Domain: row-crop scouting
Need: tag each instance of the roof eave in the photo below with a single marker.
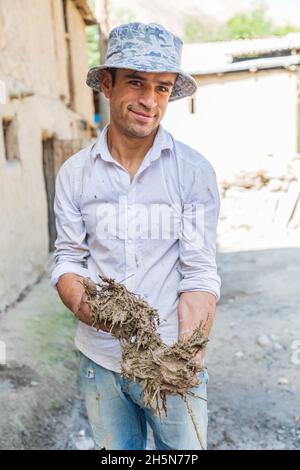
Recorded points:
(85, 11)
(252, 66)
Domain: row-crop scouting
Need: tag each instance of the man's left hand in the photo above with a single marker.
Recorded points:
(194, 308)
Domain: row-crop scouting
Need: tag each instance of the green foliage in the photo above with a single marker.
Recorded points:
(254, 24)
(251, 25)
(282, 30)
(92, 34)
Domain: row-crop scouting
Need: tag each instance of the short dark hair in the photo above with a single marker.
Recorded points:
(113, 72)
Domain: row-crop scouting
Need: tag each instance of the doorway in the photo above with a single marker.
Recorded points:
(49, 178)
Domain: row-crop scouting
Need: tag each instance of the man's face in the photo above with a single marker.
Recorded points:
(138, 100)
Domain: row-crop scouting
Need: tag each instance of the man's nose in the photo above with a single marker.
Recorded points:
(148, 98)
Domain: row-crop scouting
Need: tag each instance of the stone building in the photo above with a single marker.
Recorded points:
(246, 113)
(46, 114)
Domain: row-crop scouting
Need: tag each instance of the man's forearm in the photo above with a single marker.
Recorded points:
(70, 290)
(72, 294)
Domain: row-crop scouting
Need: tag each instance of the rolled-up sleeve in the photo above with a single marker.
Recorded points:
(197, 243)
(71, 249)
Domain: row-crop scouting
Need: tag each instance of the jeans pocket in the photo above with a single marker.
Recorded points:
(86, 368)
(204, 376)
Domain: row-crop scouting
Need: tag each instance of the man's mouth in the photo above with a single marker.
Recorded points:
(142, 116)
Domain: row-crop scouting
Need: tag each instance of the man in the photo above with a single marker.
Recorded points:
(104, 195)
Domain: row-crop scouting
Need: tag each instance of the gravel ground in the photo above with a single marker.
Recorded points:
(253, 391)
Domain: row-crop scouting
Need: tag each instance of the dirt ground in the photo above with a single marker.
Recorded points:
(253, 394)
(254, 386)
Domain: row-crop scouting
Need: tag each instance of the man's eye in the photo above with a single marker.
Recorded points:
(135, 82)
(163, 89)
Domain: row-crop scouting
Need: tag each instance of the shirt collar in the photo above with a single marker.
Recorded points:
(162, 141)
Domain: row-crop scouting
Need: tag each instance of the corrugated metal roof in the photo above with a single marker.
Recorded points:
(218, 56)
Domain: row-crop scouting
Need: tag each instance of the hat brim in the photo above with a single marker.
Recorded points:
(184, 86)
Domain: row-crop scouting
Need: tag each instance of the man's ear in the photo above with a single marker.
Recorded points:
(106, 83)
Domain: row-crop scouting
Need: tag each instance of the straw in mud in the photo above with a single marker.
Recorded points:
(160, 369)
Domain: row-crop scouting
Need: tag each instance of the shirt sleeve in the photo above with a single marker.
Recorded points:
(71, 249)
(197, 242)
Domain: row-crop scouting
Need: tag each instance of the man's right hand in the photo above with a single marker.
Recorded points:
(83, 311)
(72, 294)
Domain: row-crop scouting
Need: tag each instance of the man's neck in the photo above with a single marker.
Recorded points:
(128, 151)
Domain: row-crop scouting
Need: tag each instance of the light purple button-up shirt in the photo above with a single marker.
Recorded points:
(110, 225)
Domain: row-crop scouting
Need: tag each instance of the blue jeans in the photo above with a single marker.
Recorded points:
(119, 417)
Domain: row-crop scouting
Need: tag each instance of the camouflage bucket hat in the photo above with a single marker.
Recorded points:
(146, 48)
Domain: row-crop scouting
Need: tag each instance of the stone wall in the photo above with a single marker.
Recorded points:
(261, 209)
(34, 69)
